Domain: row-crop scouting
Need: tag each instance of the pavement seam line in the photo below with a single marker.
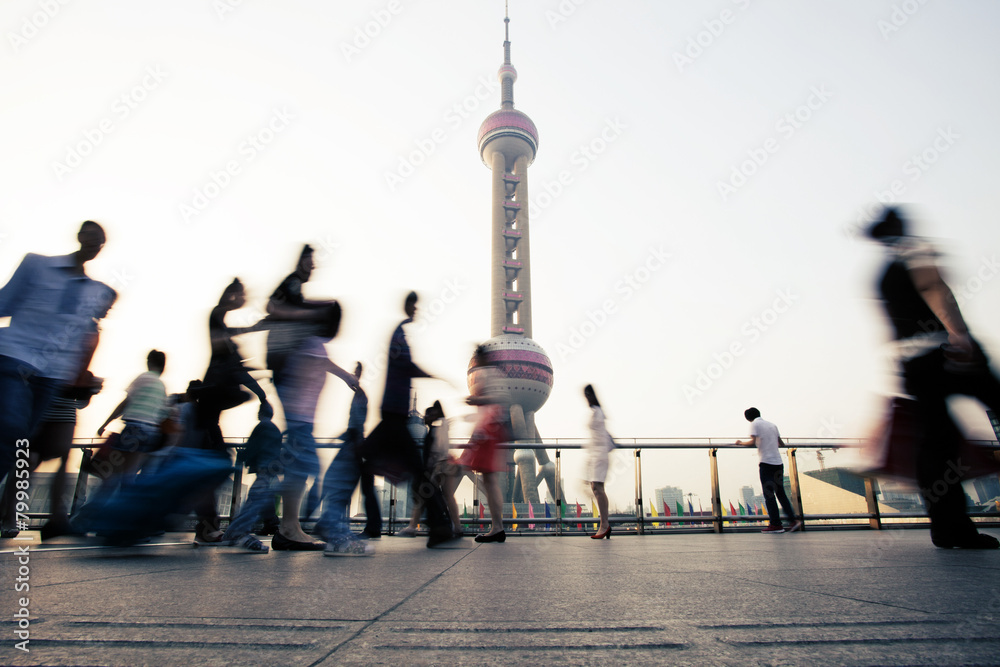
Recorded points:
(373, 621)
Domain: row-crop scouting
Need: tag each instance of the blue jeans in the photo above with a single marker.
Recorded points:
(24, 396)
(260, 496)
(338, 486)
(298, 453)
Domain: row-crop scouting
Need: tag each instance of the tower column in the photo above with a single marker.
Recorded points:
(524, 247)
(498, 278)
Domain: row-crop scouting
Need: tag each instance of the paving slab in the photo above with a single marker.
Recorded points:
(854, 597)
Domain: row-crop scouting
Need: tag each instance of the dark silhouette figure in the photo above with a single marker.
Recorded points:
(938, 358)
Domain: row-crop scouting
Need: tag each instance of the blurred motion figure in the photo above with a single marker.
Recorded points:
(938, 358)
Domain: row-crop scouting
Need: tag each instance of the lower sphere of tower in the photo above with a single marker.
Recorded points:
(524, 364)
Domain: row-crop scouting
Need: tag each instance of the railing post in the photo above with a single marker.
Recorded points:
(234, 505)
(559, 512)
(874, 515)
(392, 507)
(793, 479)
(639, 510)
(80, 491)
(713, 462)
(475, 501)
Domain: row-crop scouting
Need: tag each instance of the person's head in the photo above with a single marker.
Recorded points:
(306, 264)
(91, 238)
(156, 361)
(751, 414)
(591, 396)
(410, 305)
(891, 226)
(331, 321)
(234, 296)
(357, 371)
(434, 413)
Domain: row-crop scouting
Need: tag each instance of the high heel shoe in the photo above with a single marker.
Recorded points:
(602, 535)
(495, 537)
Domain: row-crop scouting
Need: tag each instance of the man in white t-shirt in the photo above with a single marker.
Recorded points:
(765, 437)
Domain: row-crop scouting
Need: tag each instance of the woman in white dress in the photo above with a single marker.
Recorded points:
(597, 449)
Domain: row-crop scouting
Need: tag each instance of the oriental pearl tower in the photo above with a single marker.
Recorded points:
(507, 144)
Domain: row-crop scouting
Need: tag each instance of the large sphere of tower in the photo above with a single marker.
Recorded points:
(524, 364)
(510, 132)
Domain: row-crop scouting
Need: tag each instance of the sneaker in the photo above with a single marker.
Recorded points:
(349, 546)
(773, 530)
(407, 532)
(797, 526)
(250, 543)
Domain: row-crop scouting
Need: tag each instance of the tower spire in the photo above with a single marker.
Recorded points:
(508, 75)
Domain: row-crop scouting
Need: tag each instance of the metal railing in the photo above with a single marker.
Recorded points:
(717, 520)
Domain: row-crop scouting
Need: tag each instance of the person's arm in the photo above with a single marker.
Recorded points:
(266, 411)
(752, 442)
(118, 412)
(939, 297)
(18, 287)
(348, 378)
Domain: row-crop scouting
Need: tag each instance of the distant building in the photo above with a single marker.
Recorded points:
(668, 496)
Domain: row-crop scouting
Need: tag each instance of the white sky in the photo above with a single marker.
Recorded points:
(346, 112)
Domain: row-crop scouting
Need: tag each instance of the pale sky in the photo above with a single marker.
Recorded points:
(702, 170)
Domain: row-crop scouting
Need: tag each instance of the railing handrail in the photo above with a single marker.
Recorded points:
(622, 443)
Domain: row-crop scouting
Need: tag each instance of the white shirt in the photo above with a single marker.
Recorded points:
(767, 441)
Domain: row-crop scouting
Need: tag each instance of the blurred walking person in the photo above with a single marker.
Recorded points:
(305, 376)
(221, 390)
(492, 428)
(53, 306)
(938, 358)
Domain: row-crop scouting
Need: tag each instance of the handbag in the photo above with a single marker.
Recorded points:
(893, 449)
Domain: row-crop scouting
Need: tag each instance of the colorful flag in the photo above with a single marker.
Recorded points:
(742, 511)
(666, 510)
(680, 508)
(652, 510)
(548, 526)
(531, 515)
(691, 507)
(594, 513)
(481, 514)
(514, 507)
(732, 510)
(579, 513)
